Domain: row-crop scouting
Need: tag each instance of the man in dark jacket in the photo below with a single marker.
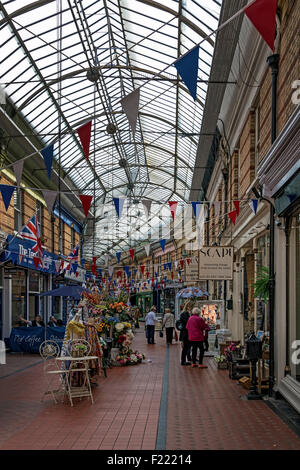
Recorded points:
(184, 338)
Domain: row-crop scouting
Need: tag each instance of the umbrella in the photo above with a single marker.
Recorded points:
(67, 291)
(190, 292)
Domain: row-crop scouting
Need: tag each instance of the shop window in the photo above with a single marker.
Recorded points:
(72, 238)
(17, 210)
(34, 281)
(18, 277)
(296, 336)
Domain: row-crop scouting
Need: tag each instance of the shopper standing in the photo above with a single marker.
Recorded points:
(168, 324)
(183, 336)
(150, 324)
(196, 327)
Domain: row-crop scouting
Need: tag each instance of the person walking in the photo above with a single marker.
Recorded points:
(168, 324)
(196, 327)
(150, 324)
(183, 336)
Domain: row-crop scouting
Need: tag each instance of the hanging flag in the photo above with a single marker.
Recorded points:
(163, 244)
(232, 216)
(74, 268)
(187, 67)
(147, 249)
(131, 253)
(49, 197)
(253, 204)
(94, 260)
(84, 133)
(126, 269)
(110, 271)
(196, 209)
(6, 192)
(135, 271)
(147, 274)
(18, 170)
(31, 232)
(93, 269)
(217, 206)
(47, 153)
(165, 266)
(119, 203)
(173, 207)
(73, 256)
(86, 203)
(36, 261)
(147, 206)
(262, 15)
(176, 264)
(237, 206)
(188, 260)
(170, 265)
(118, 255)
(172, 275)
(130, 105)
(182, 263)
(21, 257)
(142, 269)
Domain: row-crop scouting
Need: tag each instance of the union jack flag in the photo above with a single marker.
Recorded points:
(31, 232)
(73, 256)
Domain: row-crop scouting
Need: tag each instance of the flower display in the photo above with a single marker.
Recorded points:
(119, 327)
(219, 359)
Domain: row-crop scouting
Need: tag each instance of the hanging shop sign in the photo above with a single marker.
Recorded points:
(21, 253)
(192, 271)
(216, 263)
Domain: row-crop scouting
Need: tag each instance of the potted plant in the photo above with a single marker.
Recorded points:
(221, 361)
(261, 286)
(78, 350)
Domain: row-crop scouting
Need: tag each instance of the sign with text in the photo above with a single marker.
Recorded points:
(192, 271)
(216, 263)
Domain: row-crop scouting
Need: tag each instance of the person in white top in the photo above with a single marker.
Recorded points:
(168, 324)
(150, 324)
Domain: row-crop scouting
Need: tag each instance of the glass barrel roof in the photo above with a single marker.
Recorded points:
(47, 49)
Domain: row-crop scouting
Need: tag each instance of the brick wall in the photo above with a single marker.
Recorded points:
(247, 154)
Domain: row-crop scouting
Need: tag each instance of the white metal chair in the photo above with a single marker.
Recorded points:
(49, 351)
(79, 370)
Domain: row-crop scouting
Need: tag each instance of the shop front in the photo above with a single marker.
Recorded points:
(144, 301)
(22, 283)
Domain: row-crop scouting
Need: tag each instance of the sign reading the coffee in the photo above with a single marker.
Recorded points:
(216, 262)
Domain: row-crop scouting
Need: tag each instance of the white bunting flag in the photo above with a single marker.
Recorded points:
(110, 271)
(130, 105)
(147, 206)
(49, 197)
(18, 171)
(147, 249)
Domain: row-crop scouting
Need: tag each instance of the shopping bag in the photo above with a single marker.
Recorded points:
(175, 335)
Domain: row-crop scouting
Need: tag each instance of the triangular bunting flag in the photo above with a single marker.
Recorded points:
(232, 216)
(119, 203)
(57, 265)
(47, 153)
(84, 133)
(49, 197)
(118, 255)
(187, 67)
(262, 15)
(18, 170)
(237, 206)
(170, 265)
(163, 244)
(182, 263)
(21, 257)
(147, 249)
(173, 207)
(6, 192)
(130, 105)
(131, 253)
(196, 209)
(176, 264)
(253, 204)
(142, 269)
(86, 203)
(147, 206)
(110, 271)
(188, 260)
(165, 266)
(36, 261)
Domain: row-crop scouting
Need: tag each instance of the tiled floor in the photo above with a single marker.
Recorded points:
(204, 409)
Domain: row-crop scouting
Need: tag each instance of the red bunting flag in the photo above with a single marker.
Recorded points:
(147, 274)
(182, 263)
(172, 275)
(93, 268)
(36, 261)
(94, 259)
(232, 216)
(86, 203)
(173, 207)
(131, 253)
(262, 15)
(188, 260)
(237, 206)
(142, 269)
(84, 133)
(119, 273)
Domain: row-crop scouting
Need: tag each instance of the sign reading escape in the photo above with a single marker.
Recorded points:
(216, 262)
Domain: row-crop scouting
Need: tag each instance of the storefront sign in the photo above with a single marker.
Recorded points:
(216, 262)
(29, 339)
(20, 252)
(192, 271)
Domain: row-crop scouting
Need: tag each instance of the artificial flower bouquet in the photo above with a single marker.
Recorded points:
(233, 351)
(221, 361)
(128, 357)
